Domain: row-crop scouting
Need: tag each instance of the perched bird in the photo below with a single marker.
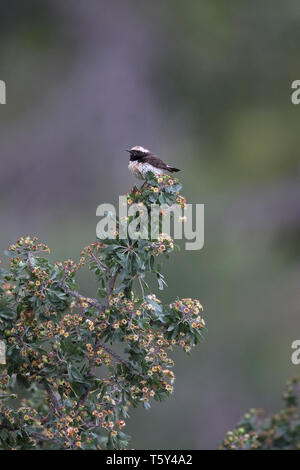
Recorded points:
(142, 160)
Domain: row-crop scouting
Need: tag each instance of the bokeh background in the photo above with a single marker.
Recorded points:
(206, 85)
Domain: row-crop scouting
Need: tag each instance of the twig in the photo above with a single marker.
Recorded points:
(142, 288)
(29, 261)
(55, 405)
(41, 437)
(78, 296)
(100, 263)
(116, 356)
(111, 286)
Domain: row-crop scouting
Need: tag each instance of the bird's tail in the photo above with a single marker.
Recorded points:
(172, 169)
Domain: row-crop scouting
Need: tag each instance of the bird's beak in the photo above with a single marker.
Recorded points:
(127, 150)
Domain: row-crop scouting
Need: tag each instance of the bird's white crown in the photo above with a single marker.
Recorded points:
(138, 148)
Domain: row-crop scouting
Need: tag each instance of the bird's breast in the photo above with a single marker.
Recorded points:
(139, 170)
(135, 168)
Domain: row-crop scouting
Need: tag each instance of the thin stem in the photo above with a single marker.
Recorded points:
(116, 356)
(78, 296)
(142, 288)
(55, 405)
(111, 286)
(99, 262)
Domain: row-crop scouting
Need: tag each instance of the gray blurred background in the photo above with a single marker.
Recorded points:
(206, 85)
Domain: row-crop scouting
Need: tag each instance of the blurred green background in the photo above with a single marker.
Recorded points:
(206, 85)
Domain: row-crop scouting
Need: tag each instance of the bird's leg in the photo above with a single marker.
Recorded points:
(144, 184)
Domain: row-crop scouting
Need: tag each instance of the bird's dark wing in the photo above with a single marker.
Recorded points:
(157, 163)
(154, 161)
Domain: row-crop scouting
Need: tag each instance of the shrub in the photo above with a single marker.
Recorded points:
(278, 431)
(64, 384)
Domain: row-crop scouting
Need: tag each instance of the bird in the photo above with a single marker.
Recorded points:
(143, 160)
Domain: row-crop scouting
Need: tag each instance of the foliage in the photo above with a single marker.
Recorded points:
(278, 431)
(64, 384)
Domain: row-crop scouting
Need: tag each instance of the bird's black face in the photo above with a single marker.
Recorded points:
(137, 154)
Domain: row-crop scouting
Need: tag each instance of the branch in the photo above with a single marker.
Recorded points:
(117, 357)
(55, 405)
(111, 286)
(100, 263)
(78, 296)
(29, 261)
(41, 437)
